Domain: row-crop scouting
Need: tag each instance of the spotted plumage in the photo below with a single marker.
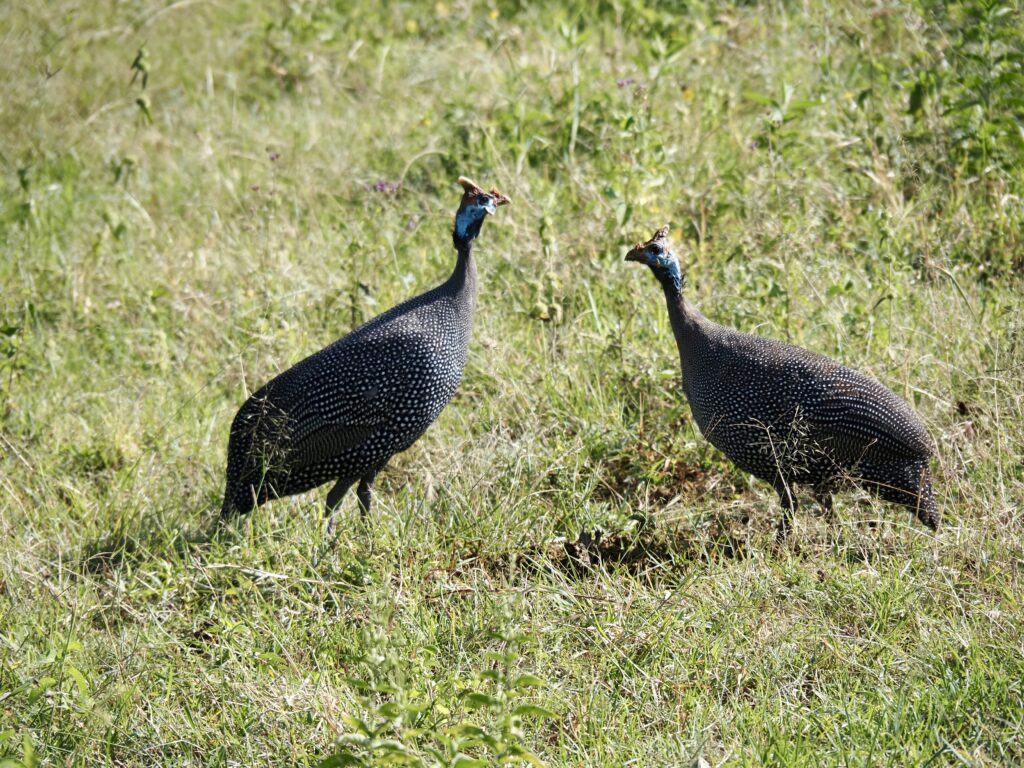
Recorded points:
(790, 416)
(342, 413)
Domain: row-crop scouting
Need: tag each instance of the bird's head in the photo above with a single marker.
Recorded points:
(657, 254)
(473, 209)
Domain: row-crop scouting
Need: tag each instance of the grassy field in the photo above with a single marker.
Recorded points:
(195, 195)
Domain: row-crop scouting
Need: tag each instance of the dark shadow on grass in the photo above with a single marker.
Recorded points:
(637, 552)
(129, 544)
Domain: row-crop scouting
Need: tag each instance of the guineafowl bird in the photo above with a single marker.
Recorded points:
(342, 413)
(790, 416)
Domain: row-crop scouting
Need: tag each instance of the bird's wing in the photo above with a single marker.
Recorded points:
(861, 420)
(339, 396)
(326, 429)
(326, 442)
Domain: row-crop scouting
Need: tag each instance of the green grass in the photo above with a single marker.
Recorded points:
(845, 176)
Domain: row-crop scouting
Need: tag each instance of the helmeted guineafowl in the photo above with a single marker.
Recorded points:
(342, 413)
(790, 416)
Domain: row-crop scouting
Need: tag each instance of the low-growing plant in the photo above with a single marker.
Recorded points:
(399, 723)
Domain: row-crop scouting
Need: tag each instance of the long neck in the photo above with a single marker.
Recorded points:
(688, 325)
(462, 283)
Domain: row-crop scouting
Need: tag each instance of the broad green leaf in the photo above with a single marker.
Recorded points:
(758, 98)
(340, 761)
(477, 700)
(529, 681)
(80, 681)
(354, 722)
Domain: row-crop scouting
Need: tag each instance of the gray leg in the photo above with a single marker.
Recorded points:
(363, 492)
(334, 497)
(788, 501)
(337, 493)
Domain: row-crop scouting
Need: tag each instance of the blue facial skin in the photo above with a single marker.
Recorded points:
(469, 218)
(664, 264)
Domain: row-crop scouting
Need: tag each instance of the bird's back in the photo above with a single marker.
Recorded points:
(425, 335)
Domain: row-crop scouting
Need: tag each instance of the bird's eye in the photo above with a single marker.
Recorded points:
(656, 250)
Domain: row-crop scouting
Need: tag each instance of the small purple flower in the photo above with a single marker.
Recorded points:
(624, 82)
(274, 156)
(387, 187)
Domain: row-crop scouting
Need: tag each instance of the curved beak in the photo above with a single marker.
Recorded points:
(635, 253)
(496, 199)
